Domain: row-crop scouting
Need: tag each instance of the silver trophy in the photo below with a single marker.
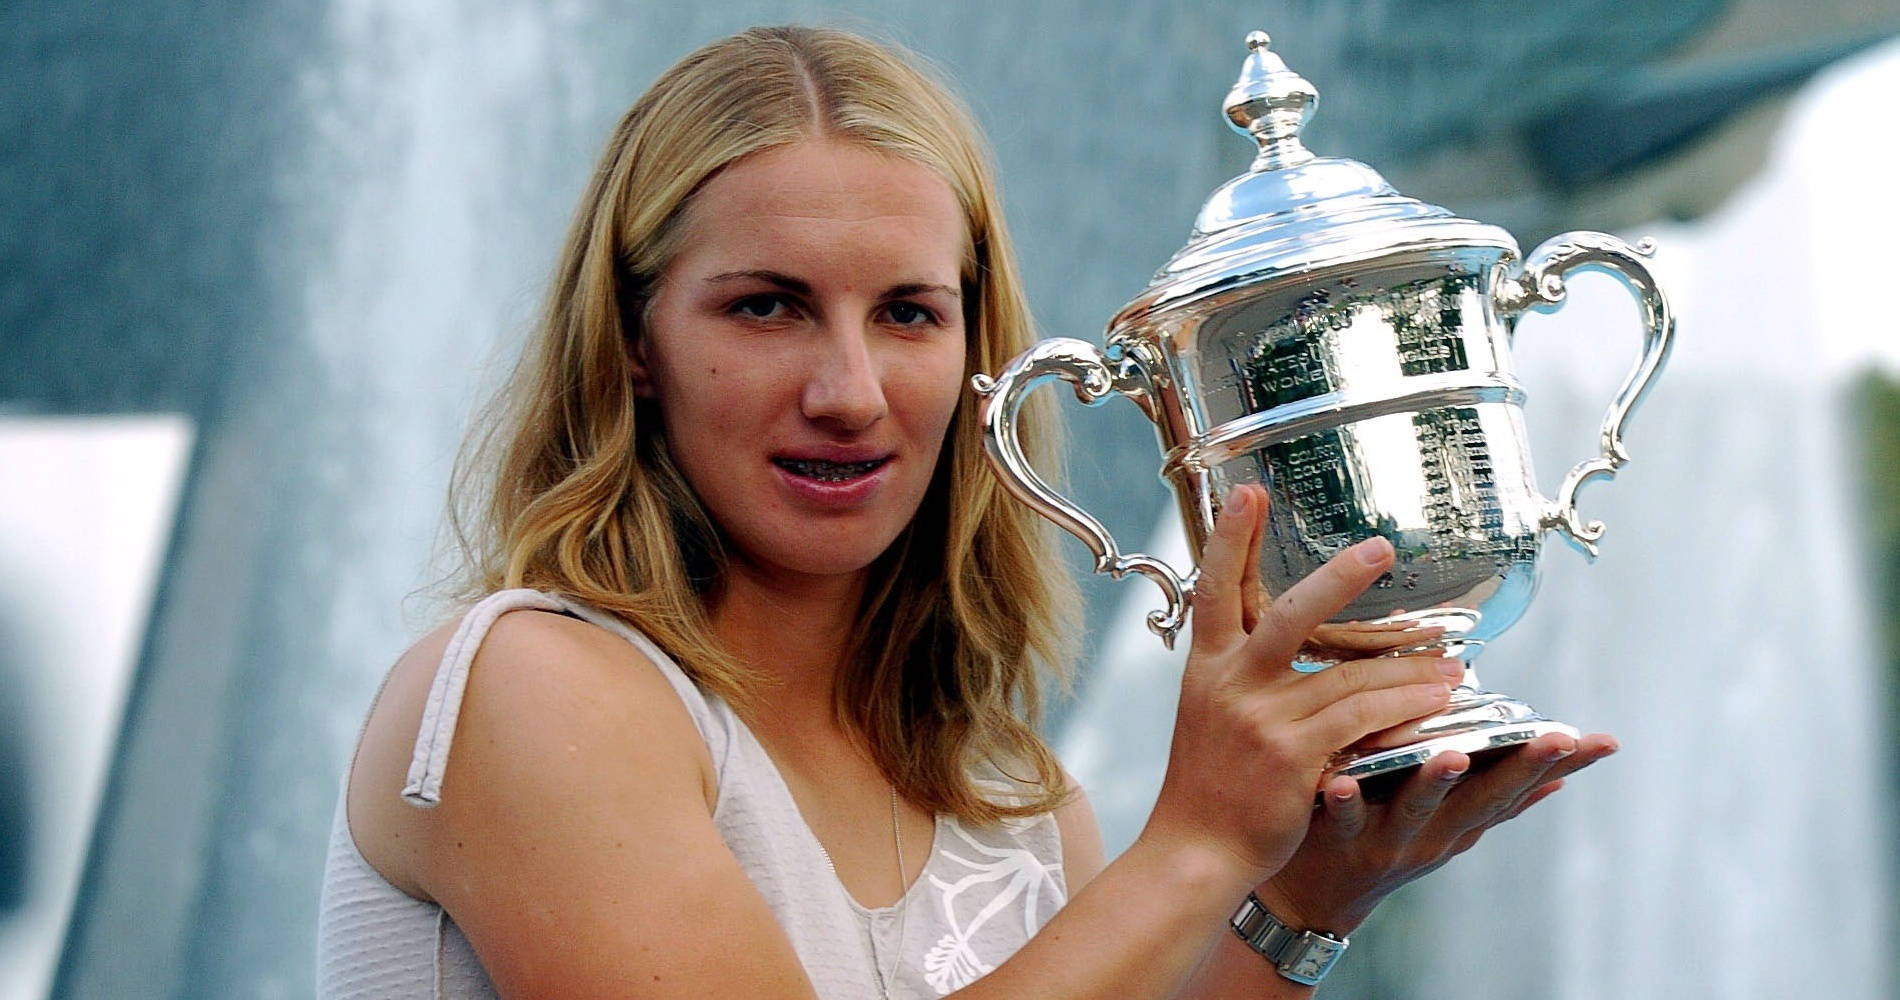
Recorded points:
(1348, 349)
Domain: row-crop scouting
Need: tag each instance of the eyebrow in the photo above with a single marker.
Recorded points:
(778, 278)
(803, 287)
(919, 287)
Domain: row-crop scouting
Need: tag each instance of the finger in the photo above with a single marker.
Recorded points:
(1217, 608)
(1589, 750)
(1286, 623)
(1419, 799)
(1464, 842)
(1250, 590)
(1493, 794)
(1544, 791)
(1308, 694)
(1351, 718)
(1345, 809)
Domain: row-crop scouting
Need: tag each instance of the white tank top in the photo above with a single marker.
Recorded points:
(984, 890)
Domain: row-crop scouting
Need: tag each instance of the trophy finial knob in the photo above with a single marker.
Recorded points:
(1271, 103)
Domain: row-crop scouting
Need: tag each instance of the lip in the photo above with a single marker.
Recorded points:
(843, 494)
(842, 453)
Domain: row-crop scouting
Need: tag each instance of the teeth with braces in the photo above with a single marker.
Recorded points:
(830, 472)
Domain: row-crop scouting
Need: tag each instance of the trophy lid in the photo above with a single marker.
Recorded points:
(1294, 212)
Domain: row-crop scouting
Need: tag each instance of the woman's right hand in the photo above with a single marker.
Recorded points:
(1253, 736)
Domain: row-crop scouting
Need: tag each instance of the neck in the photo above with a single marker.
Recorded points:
(793, 631)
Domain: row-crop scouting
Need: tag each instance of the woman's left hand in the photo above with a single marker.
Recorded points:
(1355, 853)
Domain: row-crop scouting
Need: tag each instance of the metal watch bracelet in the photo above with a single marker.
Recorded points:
(1302, 956)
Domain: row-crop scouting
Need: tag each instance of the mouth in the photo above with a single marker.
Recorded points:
(829, 472)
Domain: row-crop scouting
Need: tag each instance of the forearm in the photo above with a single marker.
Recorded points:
(1137, 930)
(1230, 969)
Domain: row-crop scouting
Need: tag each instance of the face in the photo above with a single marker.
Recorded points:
(805, 348)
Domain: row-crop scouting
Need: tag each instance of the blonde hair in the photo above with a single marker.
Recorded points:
(571, 489)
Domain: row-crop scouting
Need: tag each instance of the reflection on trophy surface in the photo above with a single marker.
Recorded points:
(1347, 349)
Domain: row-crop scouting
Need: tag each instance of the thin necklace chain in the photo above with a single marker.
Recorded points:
(903, 910)
(902, 904)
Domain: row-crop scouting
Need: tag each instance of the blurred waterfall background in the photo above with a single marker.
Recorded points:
(259, 261)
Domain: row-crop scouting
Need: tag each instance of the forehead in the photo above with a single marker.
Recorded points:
(822, 201)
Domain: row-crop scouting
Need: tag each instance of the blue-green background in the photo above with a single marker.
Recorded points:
(316, 230)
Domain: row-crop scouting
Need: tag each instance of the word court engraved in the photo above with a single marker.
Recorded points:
(1296, 356)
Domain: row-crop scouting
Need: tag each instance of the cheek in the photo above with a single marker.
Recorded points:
(937, 407)
(683, 405)
(705, 394)
(692, 393)
(947, 408)
(938, 389)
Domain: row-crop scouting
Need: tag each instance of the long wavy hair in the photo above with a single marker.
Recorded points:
(567, 485)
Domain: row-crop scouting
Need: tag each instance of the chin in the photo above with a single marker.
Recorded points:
(840, 560)
(841, 552)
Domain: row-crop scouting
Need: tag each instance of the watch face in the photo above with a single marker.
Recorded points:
(1313, 961)
(1302, 956)
(1307, 966)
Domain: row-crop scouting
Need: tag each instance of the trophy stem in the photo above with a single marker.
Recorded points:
(1476, 722)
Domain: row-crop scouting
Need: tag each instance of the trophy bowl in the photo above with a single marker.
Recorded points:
(1347, 349)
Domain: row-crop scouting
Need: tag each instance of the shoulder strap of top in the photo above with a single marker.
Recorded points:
(444, 705)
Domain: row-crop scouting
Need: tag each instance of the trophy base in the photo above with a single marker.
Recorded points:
(1476, 723)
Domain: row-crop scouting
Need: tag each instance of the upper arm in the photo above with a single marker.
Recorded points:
(1083, 856)
(574, 845)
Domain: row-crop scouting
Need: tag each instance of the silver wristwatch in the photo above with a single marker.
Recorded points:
(1302, 956)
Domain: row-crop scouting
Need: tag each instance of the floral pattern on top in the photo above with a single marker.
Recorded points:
(1017, 881)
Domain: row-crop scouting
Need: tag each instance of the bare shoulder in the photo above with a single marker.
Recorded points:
(1083, 855)
(550, 700)
(574, 845)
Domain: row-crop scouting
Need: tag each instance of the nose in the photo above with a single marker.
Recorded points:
(845, 387)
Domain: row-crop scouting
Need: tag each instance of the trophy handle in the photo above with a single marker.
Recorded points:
(1540, 286)
(1096, 375)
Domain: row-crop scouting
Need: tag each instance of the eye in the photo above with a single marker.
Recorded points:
(909, 314)
(761, 307)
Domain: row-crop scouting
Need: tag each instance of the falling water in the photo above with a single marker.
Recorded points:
(436, 151)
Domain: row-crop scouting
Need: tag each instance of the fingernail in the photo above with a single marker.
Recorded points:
(1373, 551)
(1342, 796)
(1559, 754)
(1452, 667)
(1238, 499)
(1450, 776)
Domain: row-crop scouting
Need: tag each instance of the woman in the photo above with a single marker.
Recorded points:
(745, 713)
